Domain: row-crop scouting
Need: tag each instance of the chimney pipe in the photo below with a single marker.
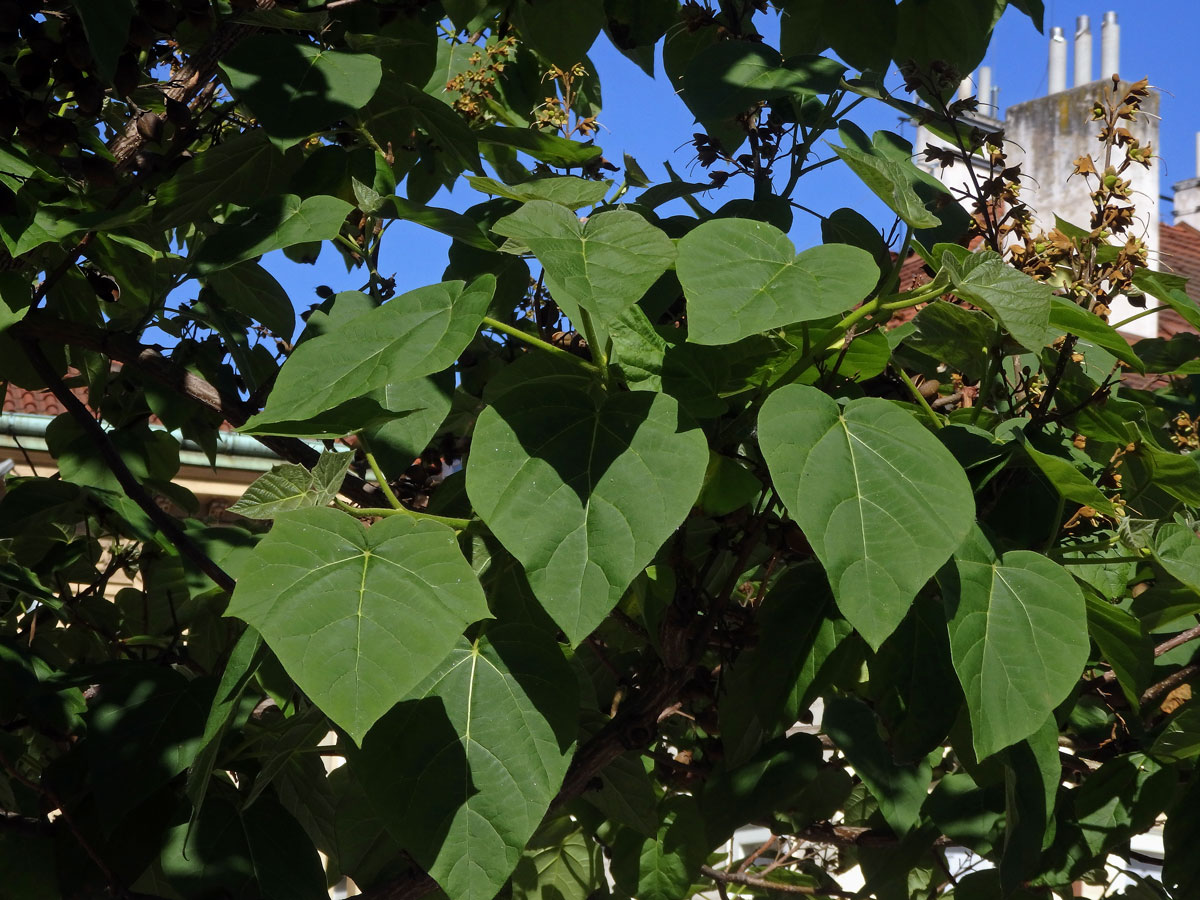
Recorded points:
(995, 101)
(1110, 46)
(966, 88)
(983, 85)
(1083, 51)
(1198, 154)
(1058, 60)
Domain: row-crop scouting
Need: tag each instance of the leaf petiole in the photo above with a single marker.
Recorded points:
(384, 512)
(526, 338)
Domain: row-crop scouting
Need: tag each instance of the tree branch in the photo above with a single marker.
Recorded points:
(187, 83)
(165, 522)
(741, 878)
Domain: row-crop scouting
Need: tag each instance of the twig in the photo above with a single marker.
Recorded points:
(1169, 683)
(721, 877)
(166, 523)
(45, 790)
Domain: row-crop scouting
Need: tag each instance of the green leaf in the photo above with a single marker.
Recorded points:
(946, 30)
(1070, 318)
(1177, 550)
(1170, 289)
(561, 863)
(771, 684)
(727, 486)
(742, 277)
(900, 790)
(1018, 637)
(958, 336)
(1124, 644)
(295, 87)
(894, 182)
(662, 867)
(561, 31)
(731, 76)
(243, 662)
(252, 290)
(412, 335)
(463, 777)
(774, 779)
(106, 25)
(861, 32)
(398, 108)
(357, 616)
(548, 148)
(277, 222)
(1068, 481)
(290, 486)
(1032, 774)
(144, 728)
(602, 266)
(881, 501)
(1021, 304)
(444, 221)
(1181, 738)
(581, 486)
(398, 440)
(1181, 864)
(28, 859)
(565, 190)
(258, 852)
(243, 169)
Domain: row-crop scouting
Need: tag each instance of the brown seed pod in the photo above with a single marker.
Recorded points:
(96, 171)
(89, 97)
(141, 33)
(178, 113)
(33, 71)
(77, 52)
(127, 76)
(150, 126)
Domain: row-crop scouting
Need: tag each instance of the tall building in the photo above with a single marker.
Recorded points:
(1045, 136)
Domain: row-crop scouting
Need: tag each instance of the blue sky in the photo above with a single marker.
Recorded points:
(643, 118)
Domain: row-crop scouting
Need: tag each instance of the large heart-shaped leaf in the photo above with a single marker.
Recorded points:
(1018, 638)
(243, 169)
(881, 501)
(580, 485)
(602, 265)
(463, 777)
(742, 277)
(277, 222)
(412, 335)
(731, 76)
(296, 87)
(565, 190)
(1021, 304)
(358, 616)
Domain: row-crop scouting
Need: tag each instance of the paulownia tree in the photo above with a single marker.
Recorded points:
(701, 487)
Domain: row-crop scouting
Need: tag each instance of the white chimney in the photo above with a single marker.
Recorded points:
(966, 88)
(1187, 196)
(1083, 51)
(1058, 60)
(995, 101)
(1110, 46)
(984, 88)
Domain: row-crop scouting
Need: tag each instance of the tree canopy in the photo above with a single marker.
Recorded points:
(641, 527)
